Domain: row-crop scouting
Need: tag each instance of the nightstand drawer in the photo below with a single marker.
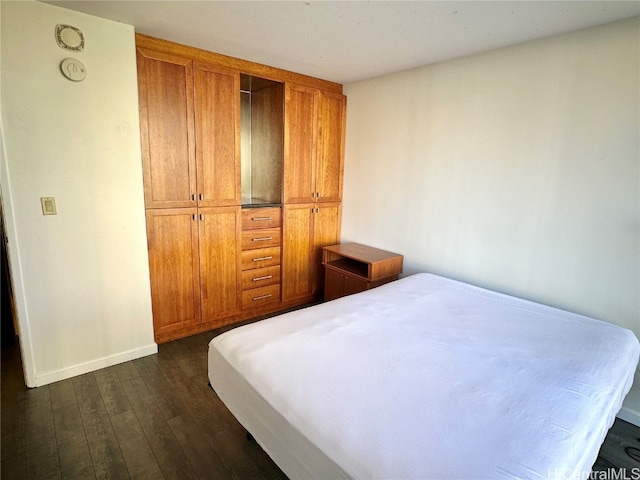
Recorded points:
(268, 217)
(260, 296)
(263, 257)
(260, 277)
(268, 237)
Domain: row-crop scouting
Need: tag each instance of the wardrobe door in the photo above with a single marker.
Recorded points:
(165, 89)
(172, 236)
(330, 156)
(326, 231)
(217, 114)
(300, 143)
(220, 261)
(297, 251)
(306, 229)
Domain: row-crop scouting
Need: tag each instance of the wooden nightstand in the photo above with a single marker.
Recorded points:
(352, 268)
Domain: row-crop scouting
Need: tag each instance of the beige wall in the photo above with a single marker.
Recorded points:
(81, 277)
(517, 170)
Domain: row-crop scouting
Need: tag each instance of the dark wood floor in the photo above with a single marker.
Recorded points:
(150, 418)
(153, 418)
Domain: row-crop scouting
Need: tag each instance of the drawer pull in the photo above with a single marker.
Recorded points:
(261, 239)
(259, 259)
(257, 279)
(258, 219)
(262, 297)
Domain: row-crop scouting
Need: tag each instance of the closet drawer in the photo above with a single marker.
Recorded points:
(268, 237)
(263, 257)
(260, 277)
(254, 218)
(260, 296)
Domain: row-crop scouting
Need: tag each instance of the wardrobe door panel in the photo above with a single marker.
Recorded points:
(220, 261)
(217, 113)
(166, 128)
(330, 158)
(326, 231)
(300, 142)
(297, 251)
(173, 264)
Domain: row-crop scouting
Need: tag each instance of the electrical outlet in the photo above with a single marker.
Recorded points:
(48, 205)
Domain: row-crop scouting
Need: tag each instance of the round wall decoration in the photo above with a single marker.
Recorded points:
(70, 38)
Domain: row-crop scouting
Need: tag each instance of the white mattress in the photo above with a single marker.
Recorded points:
(424, 378)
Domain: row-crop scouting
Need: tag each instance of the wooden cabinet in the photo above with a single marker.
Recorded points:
(313, 171)
(190, 124)
(314, 145)
(306, 229)
(194, 259)
(352, 268)
(211, 261)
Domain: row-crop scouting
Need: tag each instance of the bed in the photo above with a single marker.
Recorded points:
(426, 377)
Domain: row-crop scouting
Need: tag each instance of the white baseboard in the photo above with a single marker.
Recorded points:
(629, 415)
(63, 374)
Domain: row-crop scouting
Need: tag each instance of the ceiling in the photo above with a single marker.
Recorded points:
(347, 41)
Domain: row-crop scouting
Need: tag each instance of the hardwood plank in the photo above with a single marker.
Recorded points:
(183, 357)
(62, 394)
(106, 456)
(108, 461)
(163, 393)
(40, 437)
(68, 422)
(113, 395)
(138, 456)
(126, 371)
(166, 448)
(75, 458)
(204, 460)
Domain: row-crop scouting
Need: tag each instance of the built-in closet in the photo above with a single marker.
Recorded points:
(242, 169)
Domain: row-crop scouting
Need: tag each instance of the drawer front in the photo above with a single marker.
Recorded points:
(254, 218)
(268, 237)
(257, 297)
(260, 277)
(263, 257)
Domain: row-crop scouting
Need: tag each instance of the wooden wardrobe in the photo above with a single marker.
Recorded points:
(214, 260)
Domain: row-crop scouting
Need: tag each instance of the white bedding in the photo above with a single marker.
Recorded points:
(423, 378)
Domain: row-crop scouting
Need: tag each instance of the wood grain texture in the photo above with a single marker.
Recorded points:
(268, 237)
(330, 156)
(306, 229)
(165, 89)
(220, 261)
(297, 248)
(300, 143)
(260, 277)
(172, 236)
(217, 126)
(258, 218)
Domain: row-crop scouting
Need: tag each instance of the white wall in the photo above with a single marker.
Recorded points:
(82, 276)
(517, 170)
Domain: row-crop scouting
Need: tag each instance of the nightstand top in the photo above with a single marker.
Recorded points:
(363, 253)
